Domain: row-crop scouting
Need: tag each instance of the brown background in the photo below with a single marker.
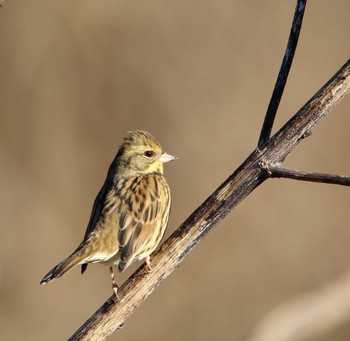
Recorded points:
(75, 76)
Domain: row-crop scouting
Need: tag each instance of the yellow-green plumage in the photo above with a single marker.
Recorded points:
(131, 211)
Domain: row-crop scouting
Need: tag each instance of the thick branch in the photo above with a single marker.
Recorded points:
(283, 74)
(279, 172)
(242, 182)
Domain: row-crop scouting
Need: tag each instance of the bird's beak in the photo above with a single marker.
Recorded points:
(167, 158)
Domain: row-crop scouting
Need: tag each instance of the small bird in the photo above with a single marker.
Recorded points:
(130, 213)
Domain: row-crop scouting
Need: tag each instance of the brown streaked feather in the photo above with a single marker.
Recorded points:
(131, 211)
(147, 221)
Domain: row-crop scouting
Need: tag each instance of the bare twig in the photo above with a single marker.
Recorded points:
(283, 74)
(230, 193)
(279, 172)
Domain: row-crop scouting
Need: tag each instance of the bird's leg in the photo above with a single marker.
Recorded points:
(148, 262)
(114, 284)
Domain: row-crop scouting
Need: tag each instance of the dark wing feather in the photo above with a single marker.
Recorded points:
(100, 202)
(95, 215)
(96, 210)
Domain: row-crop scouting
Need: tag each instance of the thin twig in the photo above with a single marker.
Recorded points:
(279, 172)
(283, 74)
(241, 183)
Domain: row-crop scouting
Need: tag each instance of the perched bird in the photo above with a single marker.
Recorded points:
(130, 213)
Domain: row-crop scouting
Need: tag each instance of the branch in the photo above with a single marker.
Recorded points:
(279, 172)
(230, 193)
(283, 74)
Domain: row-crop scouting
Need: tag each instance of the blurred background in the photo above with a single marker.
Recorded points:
(77, 75)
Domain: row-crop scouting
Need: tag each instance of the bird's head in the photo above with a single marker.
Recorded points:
(140, 153)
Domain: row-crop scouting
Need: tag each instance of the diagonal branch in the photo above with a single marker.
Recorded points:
(113, 313)
(283, 74)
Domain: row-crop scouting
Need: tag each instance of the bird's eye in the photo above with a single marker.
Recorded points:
(148, 153)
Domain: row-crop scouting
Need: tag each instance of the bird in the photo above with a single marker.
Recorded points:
(130, 213)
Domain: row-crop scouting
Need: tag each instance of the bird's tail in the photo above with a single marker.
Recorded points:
(61, 268)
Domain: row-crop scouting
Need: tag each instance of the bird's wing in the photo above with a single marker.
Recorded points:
(97, 209)
(96, 213)
(143, 219)
(102, 196)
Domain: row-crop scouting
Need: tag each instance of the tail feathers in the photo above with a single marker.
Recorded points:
(61, 268)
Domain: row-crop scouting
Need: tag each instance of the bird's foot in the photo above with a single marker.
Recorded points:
(114, 284)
